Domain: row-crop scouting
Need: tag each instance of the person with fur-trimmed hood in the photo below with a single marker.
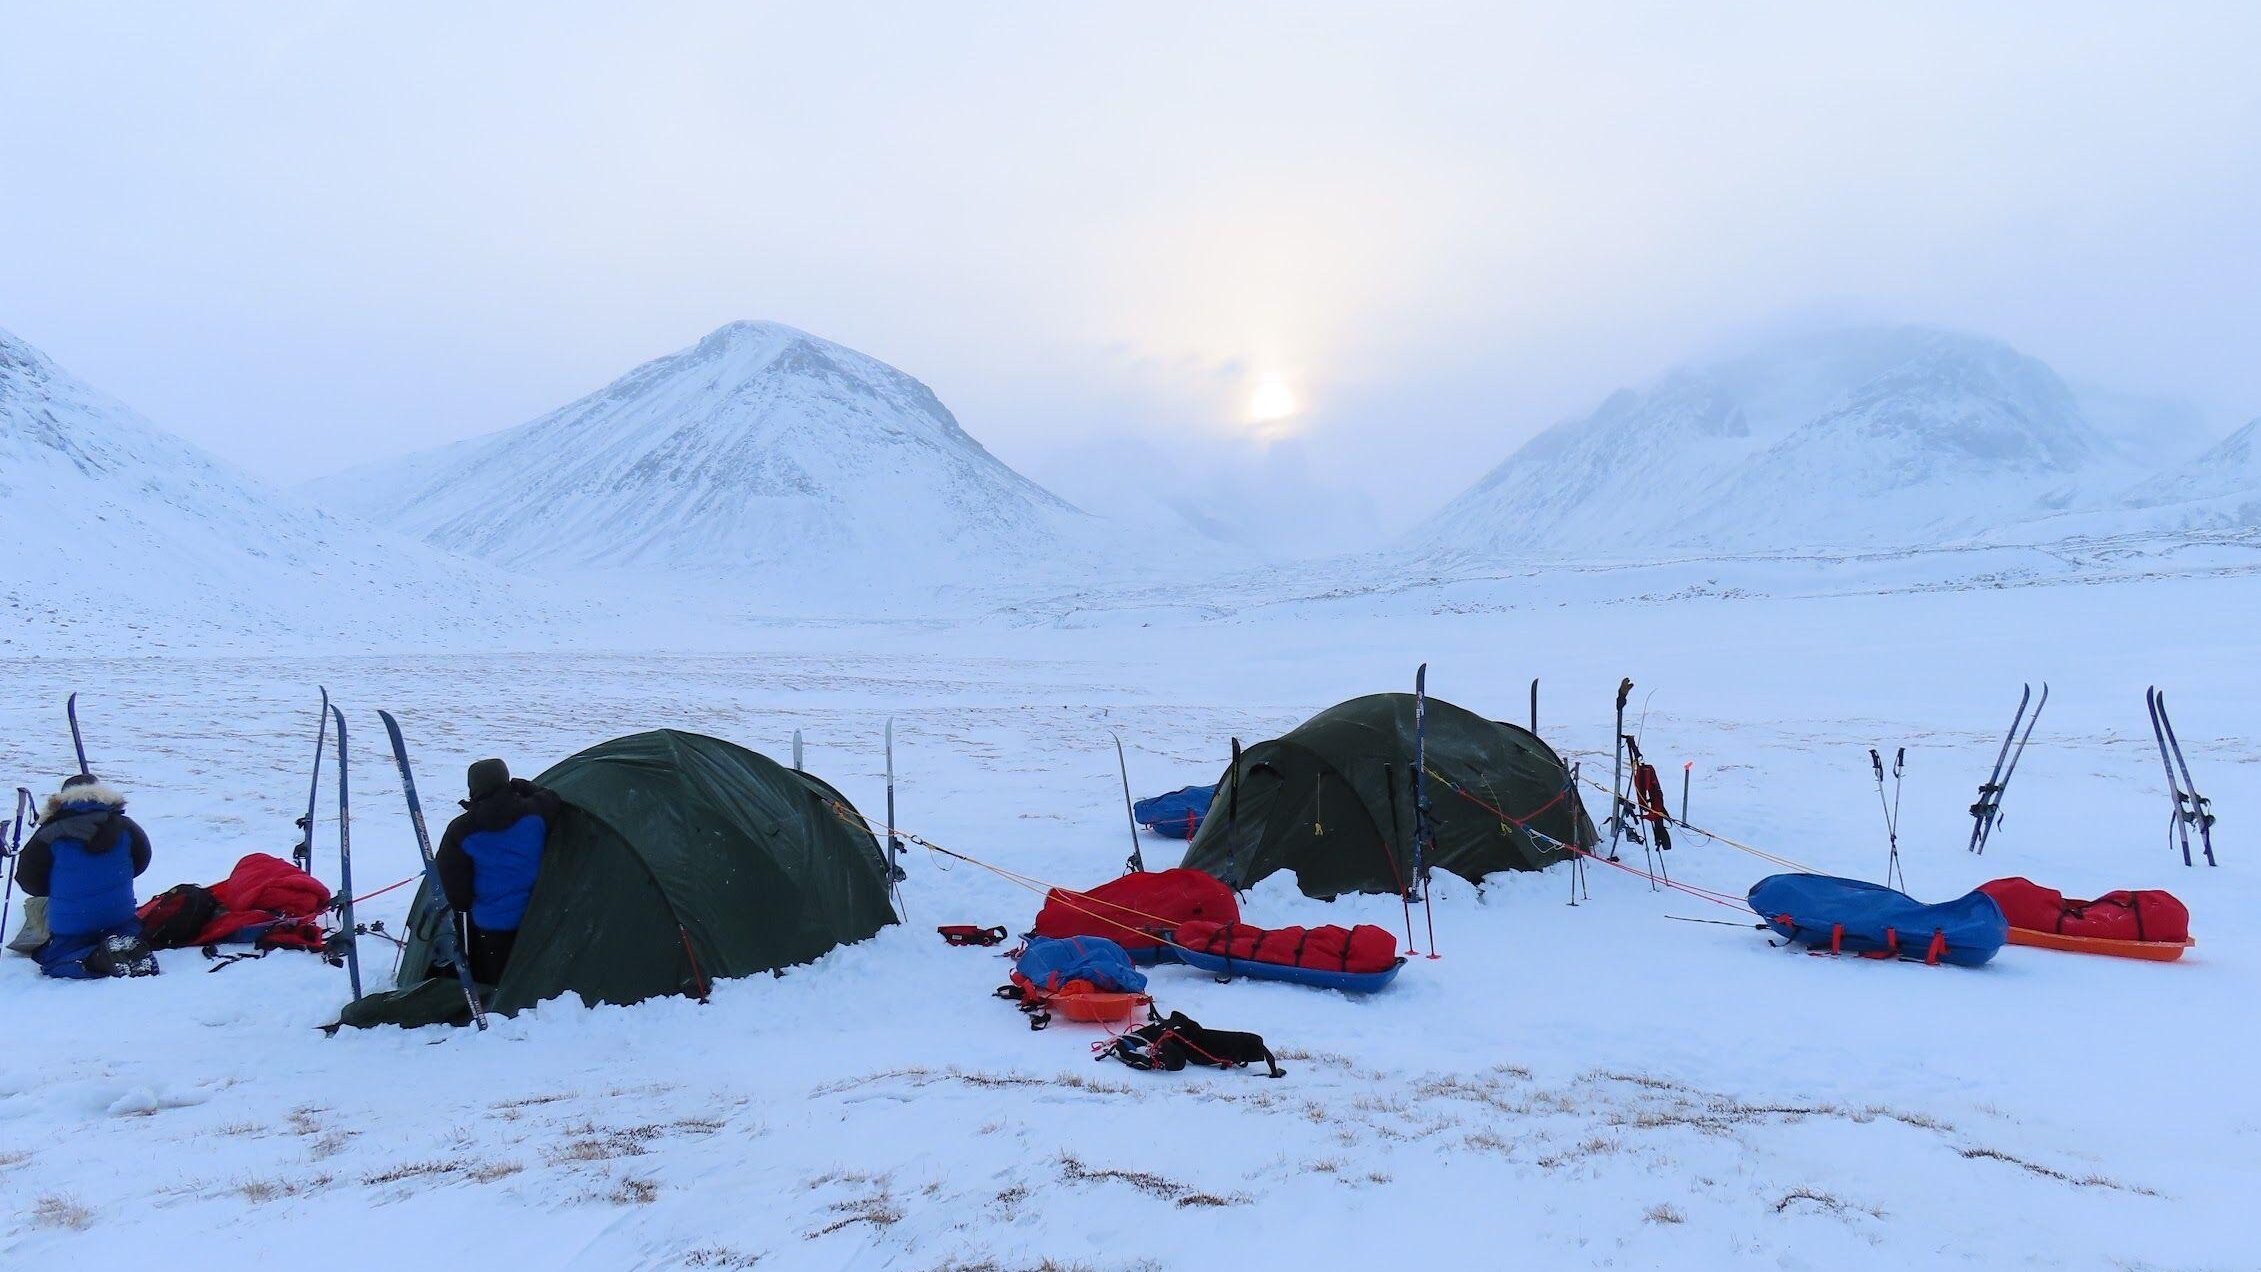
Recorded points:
(490, 857)
(84, 858)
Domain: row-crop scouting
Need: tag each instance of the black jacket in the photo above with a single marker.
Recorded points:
(493, 814)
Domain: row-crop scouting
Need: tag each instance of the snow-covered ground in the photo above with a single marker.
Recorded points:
(1598, 1085)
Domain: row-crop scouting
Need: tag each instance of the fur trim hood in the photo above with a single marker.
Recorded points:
(101, 793)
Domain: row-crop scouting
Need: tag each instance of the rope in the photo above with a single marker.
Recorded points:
(1031, 882)
(338, 905)
(1703, 894)
(1715, 837)
(367, 896)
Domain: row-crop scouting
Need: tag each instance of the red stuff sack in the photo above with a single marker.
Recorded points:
(2026, 904)
(1281, 945)
(1372, 949)
(2149, 915)
(1365, 948)
(1127, 910)
(2128, 916)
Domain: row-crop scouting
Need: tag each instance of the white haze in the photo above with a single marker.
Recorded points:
(312, 235)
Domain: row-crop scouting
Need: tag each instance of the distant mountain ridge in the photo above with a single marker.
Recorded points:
(125, 537)
(2219, 489)
(1903, 436)
(761, 448)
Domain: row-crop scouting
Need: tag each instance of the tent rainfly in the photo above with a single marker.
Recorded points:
(1332, 800)
(679, 860)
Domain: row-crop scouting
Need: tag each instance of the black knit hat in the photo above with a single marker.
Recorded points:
(487, 777)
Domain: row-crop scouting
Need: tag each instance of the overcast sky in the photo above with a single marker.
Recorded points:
(1119, 240)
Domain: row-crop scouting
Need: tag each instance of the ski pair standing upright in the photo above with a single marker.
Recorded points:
(1424, 831)
(1636, 794)
(1987, 812)
(2190, 807)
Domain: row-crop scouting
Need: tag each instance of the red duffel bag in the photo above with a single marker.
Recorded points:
(1126, 910)
(1361, 949)
(2148, 915)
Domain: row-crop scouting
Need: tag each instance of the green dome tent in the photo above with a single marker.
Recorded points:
(1332, 800)
(679, 860)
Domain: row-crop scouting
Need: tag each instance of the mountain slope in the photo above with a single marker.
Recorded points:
(2220, 489)
(1865, 438)
(1940, 445)
(123, 536)
(760, 449)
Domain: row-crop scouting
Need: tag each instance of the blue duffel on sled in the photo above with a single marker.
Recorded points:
(1851, 916)
(1175, 815)
(1047, 965)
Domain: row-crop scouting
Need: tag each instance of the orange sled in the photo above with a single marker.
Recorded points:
(2151, 951)
(1097, 1009)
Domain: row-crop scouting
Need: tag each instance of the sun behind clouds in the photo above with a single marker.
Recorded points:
(1271, 405)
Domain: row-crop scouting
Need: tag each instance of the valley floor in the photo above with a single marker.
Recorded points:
(1599, 1085)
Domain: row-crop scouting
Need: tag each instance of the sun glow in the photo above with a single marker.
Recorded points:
(1272, 401)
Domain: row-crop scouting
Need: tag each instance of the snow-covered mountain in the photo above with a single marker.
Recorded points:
(122, 536)
(1866, 438)
(2220, 489)
(760, 449)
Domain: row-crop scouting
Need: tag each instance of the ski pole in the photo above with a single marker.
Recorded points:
(1876, 766)
(15, 846)
(894, 842)
(1570, 791)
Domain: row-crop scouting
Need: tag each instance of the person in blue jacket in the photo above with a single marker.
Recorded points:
(84, 859)
(491, 856)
